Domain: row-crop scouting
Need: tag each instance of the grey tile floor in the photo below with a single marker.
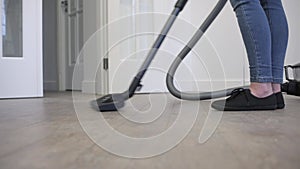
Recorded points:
(45, 133)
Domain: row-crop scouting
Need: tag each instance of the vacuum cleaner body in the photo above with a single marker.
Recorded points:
(292, 87)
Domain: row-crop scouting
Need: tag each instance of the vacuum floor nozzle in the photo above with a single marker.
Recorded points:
(111, 102)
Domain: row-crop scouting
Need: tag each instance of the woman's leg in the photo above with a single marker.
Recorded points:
(279, 39)
(255, 29)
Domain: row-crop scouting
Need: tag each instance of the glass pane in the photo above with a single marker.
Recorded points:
(73, 40)
(12, 33)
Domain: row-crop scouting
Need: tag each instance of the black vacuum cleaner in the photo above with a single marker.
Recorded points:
(113, 102)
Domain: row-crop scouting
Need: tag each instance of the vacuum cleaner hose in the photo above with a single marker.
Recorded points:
(186, 50)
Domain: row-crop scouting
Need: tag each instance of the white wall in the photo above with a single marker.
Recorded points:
(225, 57)
(293, 13)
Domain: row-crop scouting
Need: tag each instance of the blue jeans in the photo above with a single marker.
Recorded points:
(264, 28)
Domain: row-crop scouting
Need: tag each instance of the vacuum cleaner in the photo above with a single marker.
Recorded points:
(113, 102)
(292, 87)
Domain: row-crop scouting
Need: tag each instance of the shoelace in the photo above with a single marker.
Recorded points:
(236, 92)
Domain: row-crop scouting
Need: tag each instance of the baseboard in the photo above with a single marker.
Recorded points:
(197, 86)
(210, 85)
(89, 86)
(50, 85)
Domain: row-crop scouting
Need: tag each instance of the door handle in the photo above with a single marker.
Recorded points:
(64, 5)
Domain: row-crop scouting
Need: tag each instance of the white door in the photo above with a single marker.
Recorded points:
(21, 49)
(124, 62)
(74, 43)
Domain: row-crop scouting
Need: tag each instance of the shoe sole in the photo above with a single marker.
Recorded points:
(280, 106)
(258, 108)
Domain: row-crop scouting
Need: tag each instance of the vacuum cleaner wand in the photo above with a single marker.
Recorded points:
(113, 102)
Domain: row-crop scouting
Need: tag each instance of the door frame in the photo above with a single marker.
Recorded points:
(102, 78)
(101, 82)
(61, 46)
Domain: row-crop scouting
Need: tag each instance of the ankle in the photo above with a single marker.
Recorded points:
(261, 90)
(276, 88)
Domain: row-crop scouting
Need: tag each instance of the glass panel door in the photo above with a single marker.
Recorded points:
(21, 49)
(12, 29)
(74, 42)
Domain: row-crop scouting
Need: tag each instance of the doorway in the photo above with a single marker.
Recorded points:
(70, 43)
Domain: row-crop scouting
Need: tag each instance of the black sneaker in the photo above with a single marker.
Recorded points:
(280, 100)
(242, 100)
